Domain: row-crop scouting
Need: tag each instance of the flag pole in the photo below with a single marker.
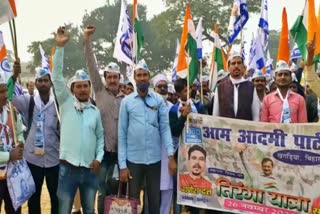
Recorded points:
(188, 91)
(201, 87)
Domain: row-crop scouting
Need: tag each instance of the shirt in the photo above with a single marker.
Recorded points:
(107, 103)
(312, 79)
(82, 137)
(272, 108)
(185, 180)
(50, 131)
(142, 129)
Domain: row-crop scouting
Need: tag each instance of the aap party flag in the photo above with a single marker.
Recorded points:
(258, 61)
(238, 19)
(44, 59)
(199, 39)
(264, 24)
(124, 41)
(5, 68)
(295, 53)
(175, 63)
(7, 10)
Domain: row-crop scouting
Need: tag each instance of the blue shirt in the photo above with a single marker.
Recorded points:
(142, 129)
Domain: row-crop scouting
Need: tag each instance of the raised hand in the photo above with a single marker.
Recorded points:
(61, 37)
(88, 31)
(310, 49)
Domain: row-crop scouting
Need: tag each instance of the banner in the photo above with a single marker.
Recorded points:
(249, 167)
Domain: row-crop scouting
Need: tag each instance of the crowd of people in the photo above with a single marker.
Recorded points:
(79, 143)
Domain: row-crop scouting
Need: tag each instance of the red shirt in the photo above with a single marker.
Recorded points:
(272, 108)
(185, 180)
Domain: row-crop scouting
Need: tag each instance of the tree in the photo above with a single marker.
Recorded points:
(73, 53)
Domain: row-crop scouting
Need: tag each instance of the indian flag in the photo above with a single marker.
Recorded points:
(304, 29)
(218, 61)
(137, 34)
(188, 63)
(7, 10)
(5, 68)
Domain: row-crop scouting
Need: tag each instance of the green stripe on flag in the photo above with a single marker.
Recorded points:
(299, 34)
(191, 48)
(140, 37)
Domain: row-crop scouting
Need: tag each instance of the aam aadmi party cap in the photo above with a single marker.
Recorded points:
(158, 78)
(258, 73)
(113, 67)
(233, 55)
(79, 76)
(142, 65)
(282, 66)
(41, 72)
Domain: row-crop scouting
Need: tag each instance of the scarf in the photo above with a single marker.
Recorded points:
(285, 114)
(79, 106)
(236, 83)
(5, 145)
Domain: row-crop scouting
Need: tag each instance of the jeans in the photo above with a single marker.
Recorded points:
(151, 173)
(51, 174)
(70, 179)
(4, 196)
(107, 186)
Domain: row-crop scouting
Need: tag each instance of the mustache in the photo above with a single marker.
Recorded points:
(196, 166)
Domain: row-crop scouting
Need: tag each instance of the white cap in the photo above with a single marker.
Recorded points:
(258, 73)
(282, 66)
(221, 75)
(79, 76)
(205, 78)
(113, 67)
(121, 79)
(41, 72)
(293, 66)
(171, 89)
(233, 55)
(142, 65)
(158, 78)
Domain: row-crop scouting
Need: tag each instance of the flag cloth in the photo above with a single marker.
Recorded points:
(218, 63)
(252, 49)
(137, 33)
(53, 49)
(258, 61)
(123, 44)
(295, 52)
(5, 68)
(199, 38)
(188, 67)
(264, 24)
(283, 49)
(44, 59)
(238, 19)
(175, 62)
(269, 66)
(313, 29)
(7, 10)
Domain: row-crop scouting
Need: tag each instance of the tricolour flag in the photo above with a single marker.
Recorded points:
(175, 63)
(7, 10)
(264, 24)
(5, 68)
(238, 19)
(123, 44)
(199, 38)
(283, 49)
(188, 63)
(218, 62)
(44, 59)
(304, 28)
(137, 33)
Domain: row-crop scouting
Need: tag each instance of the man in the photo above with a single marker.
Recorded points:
(30, 87)
(283, 105)
(129, 88)
(172, 96)
(196, 169)
(108, 101)
(259, 81)
(143, 127)
(42, 141)
(235, 97)
(9, 150)
(160, 84)
(81, 145)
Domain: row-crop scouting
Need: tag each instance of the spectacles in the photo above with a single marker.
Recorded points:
(162, 86)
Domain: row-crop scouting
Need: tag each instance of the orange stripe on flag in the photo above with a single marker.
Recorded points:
(134, 9)
(182, 62)
(13, 7)
(312, 20)
(3, 53)
(53, 49)
(317, 42)
(284, 50)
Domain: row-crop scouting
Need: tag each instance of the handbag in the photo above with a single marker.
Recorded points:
(20, 182)
(117, 204)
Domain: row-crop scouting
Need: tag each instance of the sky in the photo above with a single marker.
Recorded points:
(37, 19)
